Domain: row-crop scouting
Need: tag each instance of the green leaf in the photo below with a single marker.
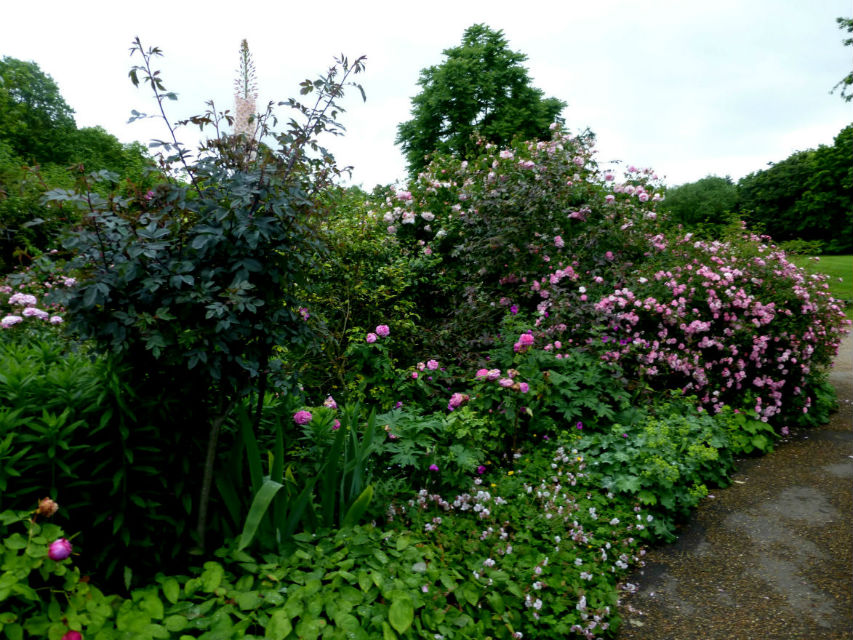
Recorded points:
(175, 623)
(388, 632)
(14, 631)
(212, 576)
(172, 590)
(401, 613)
(279, 626)
(357, 509)
(257, 511)
(470, 592)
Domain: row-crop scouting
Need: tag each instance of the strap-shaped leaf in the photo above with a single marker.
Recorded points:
(257, 511)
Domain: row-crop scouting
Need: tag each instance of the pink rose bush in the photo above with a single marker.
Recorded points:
(539, 228)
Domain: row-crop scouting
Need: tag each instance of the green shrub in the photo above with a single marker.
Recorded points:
(665, 461)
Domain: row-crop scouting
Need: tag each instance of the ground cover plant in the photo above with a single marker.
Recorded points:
(454, 409)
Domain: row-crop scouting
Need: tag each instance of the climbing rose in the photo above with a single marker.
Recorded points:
(302, 417)
(59, 549)
(8, 321)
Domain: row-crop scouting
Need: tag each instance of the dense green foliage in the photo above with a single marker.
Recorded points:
(517, 370)
(35, 121)
(805, 198)
(709, 203)
(41, 149)
(809, 195)
(480, 92)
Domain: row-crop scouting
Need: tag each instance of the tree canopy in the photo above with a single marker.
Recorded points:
(706, 201)
(806, 196)
(481, 88)
(34, 117)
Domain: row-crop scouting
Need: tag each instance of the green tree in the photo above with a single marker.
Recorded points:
(846, 83)
(34, 118)
(806, 196)
(708, 201)
(480, 89)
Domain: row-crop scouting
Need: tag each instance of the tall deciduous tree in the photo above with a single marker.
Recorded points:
(481, 88)
(34, 118)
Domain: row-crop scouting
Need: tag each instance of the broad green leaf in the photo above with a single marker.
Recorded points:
(279, 626)
(401, 613)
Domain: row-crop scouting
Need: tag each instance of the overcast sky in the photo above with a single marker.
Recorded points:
(689, 88)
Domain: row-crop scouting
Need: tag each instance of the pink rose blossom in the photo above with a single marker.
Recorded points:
(382, 330)
(302, 417)
(432, 365)
(8, 321)
(371, 338)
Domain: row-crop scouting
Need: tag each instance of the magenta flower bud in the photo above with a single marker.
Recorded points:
(433, 467)
(72, 635)
(481, 470)
(59, 549)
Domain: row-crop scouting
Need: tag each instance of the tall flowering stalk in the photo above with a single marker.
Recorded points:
(245, 94)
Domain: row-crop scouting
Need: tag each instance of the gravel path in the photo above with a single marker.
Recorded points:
(769, 558)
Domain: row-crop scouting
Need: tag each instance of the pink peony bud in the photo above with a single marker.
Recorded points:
(59, 549)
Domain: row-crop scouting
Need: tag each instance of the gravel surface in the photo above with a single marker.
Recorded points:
(769, 558)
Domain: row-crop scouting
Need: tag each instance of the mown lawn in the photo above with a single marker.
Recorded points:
(840, 272)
